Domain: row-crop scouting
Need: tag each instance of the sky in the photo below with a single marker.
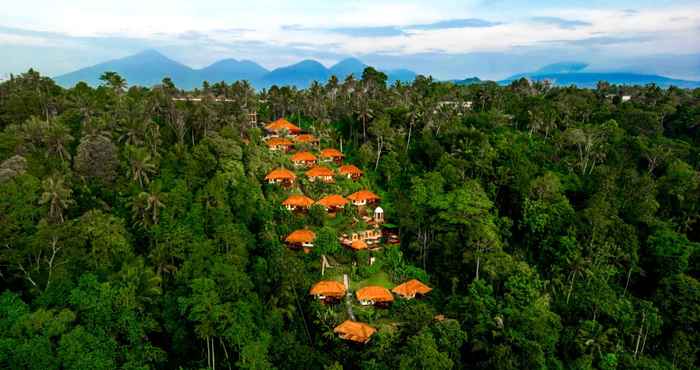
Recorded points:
(443, 38)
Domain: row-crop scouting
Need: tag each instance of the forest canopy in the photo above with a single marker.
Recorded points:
(546, 227)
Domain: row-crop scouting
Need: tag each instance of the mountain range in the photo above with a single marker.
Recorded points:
(149, 67)
(576, 73)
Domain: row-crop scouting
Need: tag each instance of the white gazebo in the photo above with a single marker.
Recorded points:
(378, 215)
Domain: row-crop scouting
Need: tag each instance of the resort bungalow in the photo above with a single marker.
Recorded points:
(332, 203)
(328, 291)
(363, 197)
(350, 171)
(358, 245)
(301, 239)
(355, 331)
(281, 176)
(321, 173)
(412, 289)
(297, 202)
(332, 155)
(374, 295)
(281, 127)
(279, 144)
(369, 236)
(303, 159)
(306, 139)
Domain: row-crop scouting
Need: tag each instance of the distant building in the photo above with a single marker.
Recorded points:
(320, 173)
(332, 155)
(301, 239)
(303, 159)
(332, 203)
(363, 198)
(279, 144)
(281, 176)
(328, 291)
(374, 295)
(411, 289)
(355, 331)
(297, 202)
(282, 126)
(306, 139)
(351, 171)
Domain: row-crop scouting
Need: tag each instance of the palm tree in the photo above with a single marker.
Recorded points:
(113, 80)
(146, 207)
(57, 137)
(57, 195)
(364, 112)
(141, 165)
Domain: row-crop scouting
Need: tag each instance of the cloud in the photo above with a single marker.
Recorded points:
(567, 24)
(381, 31)
(603, 40)
(396, 30)
(454, 23)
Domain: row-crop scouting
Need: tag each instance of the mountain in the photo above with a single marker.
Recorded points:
(231, 70)
(300, 75)
(590, 80)
(149, 67)
(346, 67)
(403, 75)
(563, 67)
(574, 73)
(468, 81)
(146, 68)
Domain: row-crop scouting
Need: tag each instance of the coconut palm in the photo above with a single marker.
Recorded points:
(58, 197)
(114, 81)
(141, 165)
(146, 207)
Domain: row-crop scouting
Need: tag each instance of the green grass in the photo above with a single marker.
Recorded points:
(381, 278)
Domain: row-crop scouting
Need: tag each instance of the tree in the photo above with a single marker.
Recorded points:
(97, 158)
(114, 81)
(469, 210)
(141, 165)
(57, 195)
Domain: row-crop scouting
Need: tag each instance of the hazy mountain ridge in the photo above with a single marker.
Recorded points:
(575, 73)
(149, 67)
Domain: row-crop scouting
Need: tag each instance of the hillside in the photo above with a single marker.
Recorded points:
(590, 80)
(150, 67)
(146, 68)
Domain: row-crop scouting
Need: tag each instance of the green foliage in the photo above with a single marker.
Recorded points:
(557, 228)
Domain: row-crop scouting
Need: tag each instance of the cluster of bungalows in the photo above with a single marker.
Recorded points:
(283, 136)
(331, 292)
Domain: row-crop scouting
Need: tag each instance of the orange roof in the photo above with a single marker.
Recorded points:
(283, 124)
(349, 170)
(301, 236)
(276, 141)
(319, 171)
(358, 245)
(328, 288)
(303, 157)
(355, 331)
(298, 201)
(333, 200)
(281, 173)
(331, 153)
(363, 195)
(374, 293)
(306, 138)
(411, 287)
